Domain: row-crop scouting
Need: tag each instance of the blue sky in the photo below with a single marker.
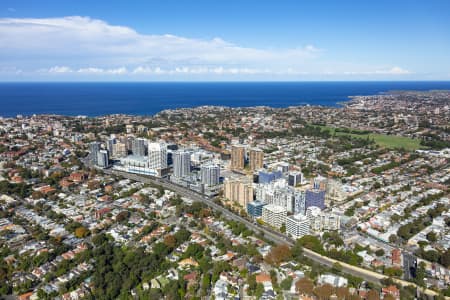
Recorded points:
(224, 40)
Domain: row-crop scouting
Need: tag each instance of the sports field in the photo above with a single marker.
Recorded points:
(383, 140)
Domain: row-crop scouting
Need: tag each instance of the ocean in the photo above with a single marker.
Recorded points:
(95, 99)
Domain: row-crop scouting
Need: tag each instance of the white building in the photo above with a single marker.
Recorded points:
(157, 156)
(120, 150)
(94, 148)
(210, 174)
(220, 290)
(181, 163)
(154, 164)
(274, 215)
(295, 178)
(335, 192)
(103, 158)
(110, 145)
(322, 221)
(138, 146)
(334, 280)
(279, 193)
(200, 156)
(313, 211)
(136, 164)
(297, 225)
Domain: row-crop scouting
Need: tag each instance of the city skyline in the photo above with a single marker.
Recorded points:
(229, 202)
(232, 41)
(257, 150)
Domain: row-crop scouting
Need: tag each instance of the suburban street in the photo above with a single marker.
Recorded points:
(273, 236)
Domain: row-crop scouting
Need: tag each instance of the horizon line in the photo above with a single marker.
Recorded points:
(212, 81)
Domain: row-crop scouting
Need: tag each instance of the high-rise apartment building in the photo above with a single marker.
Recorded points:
(297, 225)
(274, 215)
(102, 159)
(315, 198)
(94, 147)
(110, 145)
(210, 174)
(254, 209)
(139, 146)
(299, 202)
(267, 176)
(295, 178)
(181, 163)
(157, 156)
(279, 193)
(237, 157)
(238, 191)
(120, 150)
(256, 159)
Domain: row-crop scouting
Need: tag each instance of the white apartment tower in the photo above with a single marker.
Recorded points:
(181, 163)
(274, 215)
(103, 158)
(138, 147)
(297, 225)
(157, 156)
(210, 174)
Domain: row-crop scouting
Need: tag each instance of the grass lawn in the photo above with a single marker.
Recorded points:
(394, 141)
(384, 140)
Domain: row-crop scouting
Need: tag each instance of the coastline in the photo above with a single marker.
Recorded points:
(107, 98)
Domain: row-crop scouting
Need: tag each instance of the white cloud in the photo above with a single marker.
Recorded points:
(58, 69)
(396, 71)
(93, 70)
(218, 70)
(391, 71)
(81, 46)
(85, 40)
(87, 70)
(144, 70)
